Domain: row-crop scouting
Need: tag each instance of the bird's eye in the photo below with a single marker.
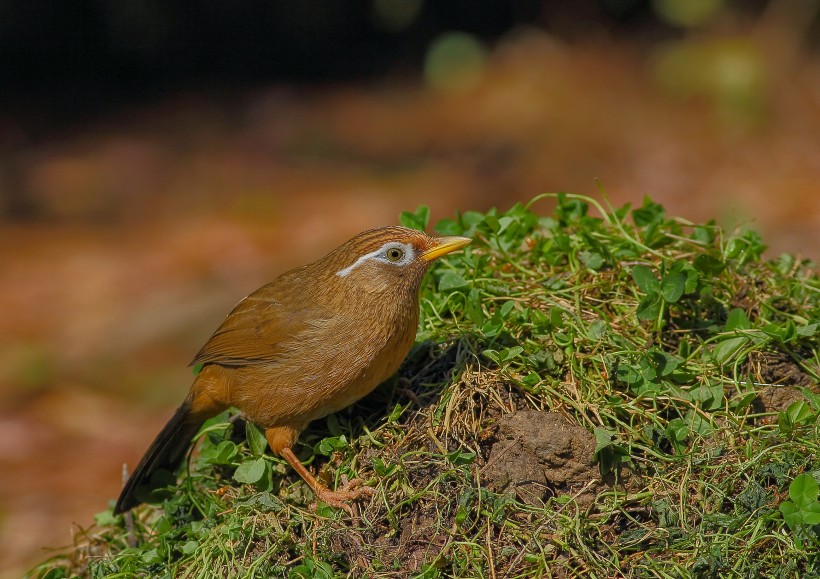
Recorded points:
(395, 254)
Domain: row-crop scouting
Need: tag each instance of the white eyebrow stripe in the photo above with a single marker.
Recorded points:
(344, 272)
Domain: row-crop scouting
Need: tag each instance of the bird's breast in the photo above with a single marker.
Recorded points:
(329, 365)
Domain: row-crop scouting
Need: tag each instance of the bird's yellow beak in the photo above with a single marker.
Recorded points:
(444, 245)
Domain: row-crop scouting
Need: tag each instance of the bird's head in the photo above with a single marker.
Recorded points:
(389, 257)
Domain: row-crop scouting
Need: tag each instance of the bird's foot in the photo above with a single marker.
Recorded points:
(340, 498)
(350, 491)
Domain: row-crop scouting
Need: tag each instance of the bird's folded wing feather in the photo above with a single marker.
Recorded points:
(255, 330)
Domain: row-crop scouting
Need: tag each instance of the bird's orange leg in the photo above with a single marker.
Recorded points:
(281, 439)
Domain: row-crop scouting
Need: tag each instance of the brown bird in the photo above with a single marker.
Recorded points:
(310, 343)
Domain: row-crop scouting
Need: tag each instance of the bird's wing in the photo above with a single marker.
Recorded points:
(255, 330)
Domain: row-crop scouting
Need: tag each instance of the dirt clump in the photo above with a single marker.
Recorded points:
(783, 376)
(777, 398)
(540, 454)
(777, 368)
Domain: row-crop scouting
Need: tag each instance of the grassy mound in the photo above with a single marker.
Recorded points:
(623, 395)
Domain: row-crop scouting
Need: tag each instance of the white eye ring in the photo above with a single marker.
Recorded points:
(394, 254)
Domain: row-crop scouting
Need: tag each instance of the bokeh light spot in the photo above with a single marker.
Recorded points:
(455, 62)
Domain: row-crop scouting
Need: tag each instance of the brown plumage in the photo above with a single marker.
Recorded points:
(310, 343)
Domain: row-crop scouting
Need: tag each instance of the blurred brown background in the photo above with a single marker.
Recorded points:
(161, 159)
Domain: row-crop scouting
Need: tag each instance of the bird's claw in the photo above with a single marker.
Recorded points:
(340, 498)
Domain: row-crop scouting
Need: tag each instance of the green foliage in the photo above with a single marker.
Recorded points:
(416, 220)
(669, 342)
(802, 511)
(312, 569)
(798, 415)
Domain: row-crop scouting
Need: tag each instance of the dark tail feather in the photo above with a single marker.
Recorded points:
(166, 452)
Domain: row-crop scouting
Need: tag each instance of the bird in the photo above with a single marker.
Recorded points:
(312, 342)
